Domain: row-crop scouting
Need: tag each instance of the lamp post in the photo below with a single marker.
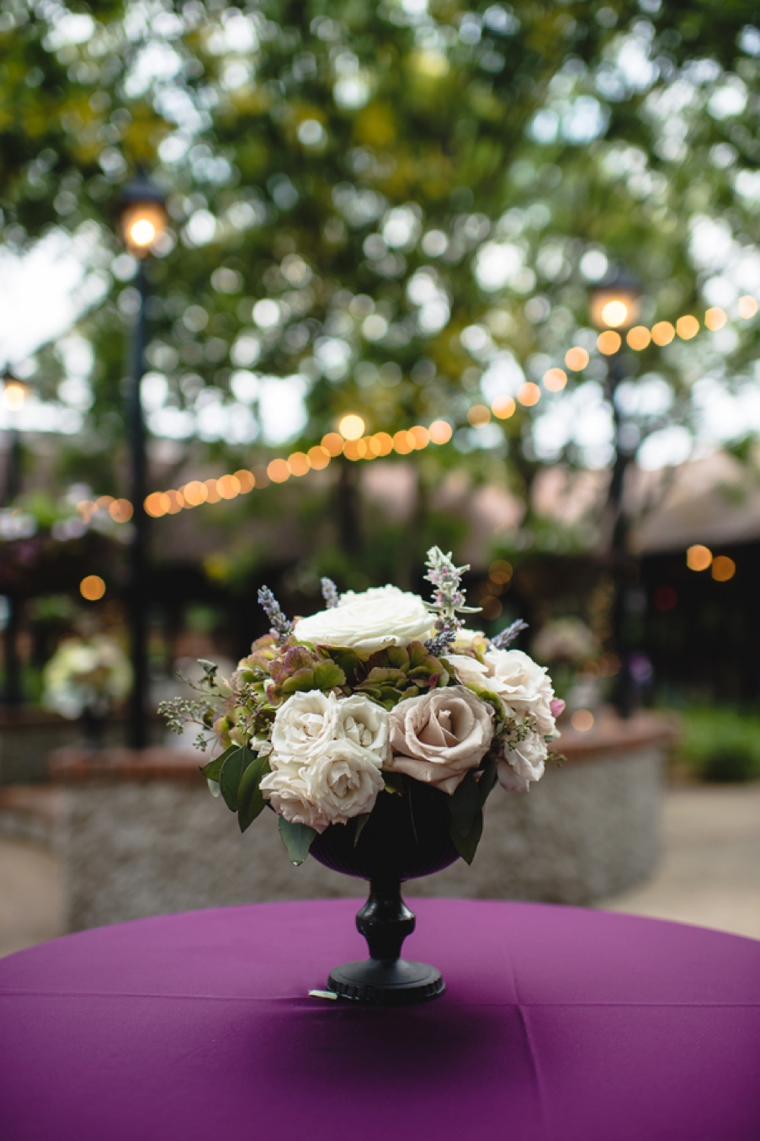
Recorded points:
(15, 394)
(142, 222)
(615, 305)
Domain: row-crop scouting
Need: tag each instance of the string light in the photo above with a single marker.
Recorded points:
(351, 441)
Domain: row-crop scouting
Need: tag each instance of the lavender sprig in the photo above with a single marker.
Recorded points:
(508, 635)
(447, 630)
(281, 626)
(330, 593)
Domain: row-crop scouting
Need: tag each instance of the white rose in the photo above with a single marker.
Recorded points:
(326, 758)
(344, 782)
(374, 620)
(523, 763)
(469, 671)
(365, 723)
(466, 639)
(523, 685)
(290, 796)
(303, 725)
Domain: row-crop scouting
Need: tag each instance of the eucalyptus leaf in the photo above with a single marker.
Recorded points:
(229, 778)
(251, 800)
(465, 802)
(297, 839)
(361, 823)
(467, 845)
(212, 770)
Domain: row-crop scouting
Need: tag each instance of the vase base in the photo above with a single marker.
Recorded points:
(386, 983)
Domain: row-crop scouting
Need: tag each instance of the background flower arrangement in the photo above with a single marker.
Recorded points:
(331, 711)
(86, 675)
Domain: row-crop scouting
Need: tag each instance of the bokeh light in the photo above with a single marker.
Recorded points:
(747, 307)
(576, 358)
(529, 394)
(639, 337)
(723, 568)
(478, 415)
(92, 587)
(615, 313)
(609, 342)
(715, 318)
(663, 333)
(687, 327)
(698, 557)
(582, 720)
(503, 407)
(555, 379)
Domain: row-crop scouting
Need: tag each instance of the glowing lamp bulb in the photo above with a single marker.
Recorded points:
(141, 233)
(351, 427)
(14, 394)
(615, 313)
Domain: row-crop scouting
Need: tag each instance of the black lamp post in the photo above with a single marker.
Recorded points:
(615, 305)
(14, 396)
(142, 222)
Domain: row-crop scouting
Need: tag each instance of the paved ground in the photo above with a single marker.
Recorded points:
(31, 895)
(710, 874)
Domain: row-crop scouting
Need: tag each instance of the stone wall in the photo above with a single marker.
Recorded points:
(151, 839)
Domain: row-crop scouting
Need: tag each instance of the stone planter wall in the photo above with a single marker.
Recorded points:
(142, 836)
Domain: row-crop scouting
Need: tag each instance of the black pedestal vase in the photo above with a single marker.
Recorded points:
(406, 836)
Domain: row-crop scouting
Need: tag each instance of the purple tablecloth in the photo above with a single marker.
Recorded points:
(558, 1024)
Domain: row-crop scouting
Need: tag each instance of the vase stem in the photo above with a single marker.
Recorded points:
(385, 920)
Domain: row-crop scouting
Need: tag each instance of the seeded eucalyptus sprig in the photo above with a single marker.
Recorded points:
(448, 599)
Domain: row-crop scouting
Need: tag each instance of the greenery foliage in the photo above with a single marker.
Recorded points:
(385, 206)
(720, 743)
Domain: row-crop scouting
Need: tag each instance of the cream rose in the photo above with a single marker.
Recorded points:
(438, 736)
(523, 685)
(344, 782)
(468, 639)
(327, 753)
(468, 671)
(303, 726)
(290, 796)
(523, 763)
(381, 617)
(365, 723)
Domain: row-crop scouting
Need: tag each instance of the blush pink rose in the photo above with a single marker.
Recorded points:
(437, 737)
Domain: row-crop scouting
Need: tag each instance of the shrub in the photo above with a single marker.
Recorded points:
(720, 744)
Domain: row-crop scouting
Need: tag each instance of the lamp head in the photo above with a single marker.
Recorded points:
(15, 392)
(142, 216)
(615, 301)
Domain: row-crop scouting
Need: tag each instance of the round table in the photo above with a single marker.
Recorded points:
(558, 1024)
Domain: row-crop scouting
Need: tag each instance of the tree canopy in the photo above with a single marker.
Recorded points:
(395, 208)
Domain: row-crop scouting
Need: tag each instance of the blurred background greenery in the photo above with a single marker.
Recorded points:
(398, 210)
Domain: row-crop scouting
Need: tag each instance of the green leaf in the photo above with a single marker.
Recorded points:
(361, 822)
(394, 783)
(467, 845)
(229, 778)
(212, 770)
(465, 803)
(487, 781)
(297, 839)
(327, 675)
(250, 797)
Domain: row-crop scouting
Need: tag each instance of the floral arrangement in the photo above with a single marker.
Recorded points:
(566, 639)
(86, 676)
(331, 711)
